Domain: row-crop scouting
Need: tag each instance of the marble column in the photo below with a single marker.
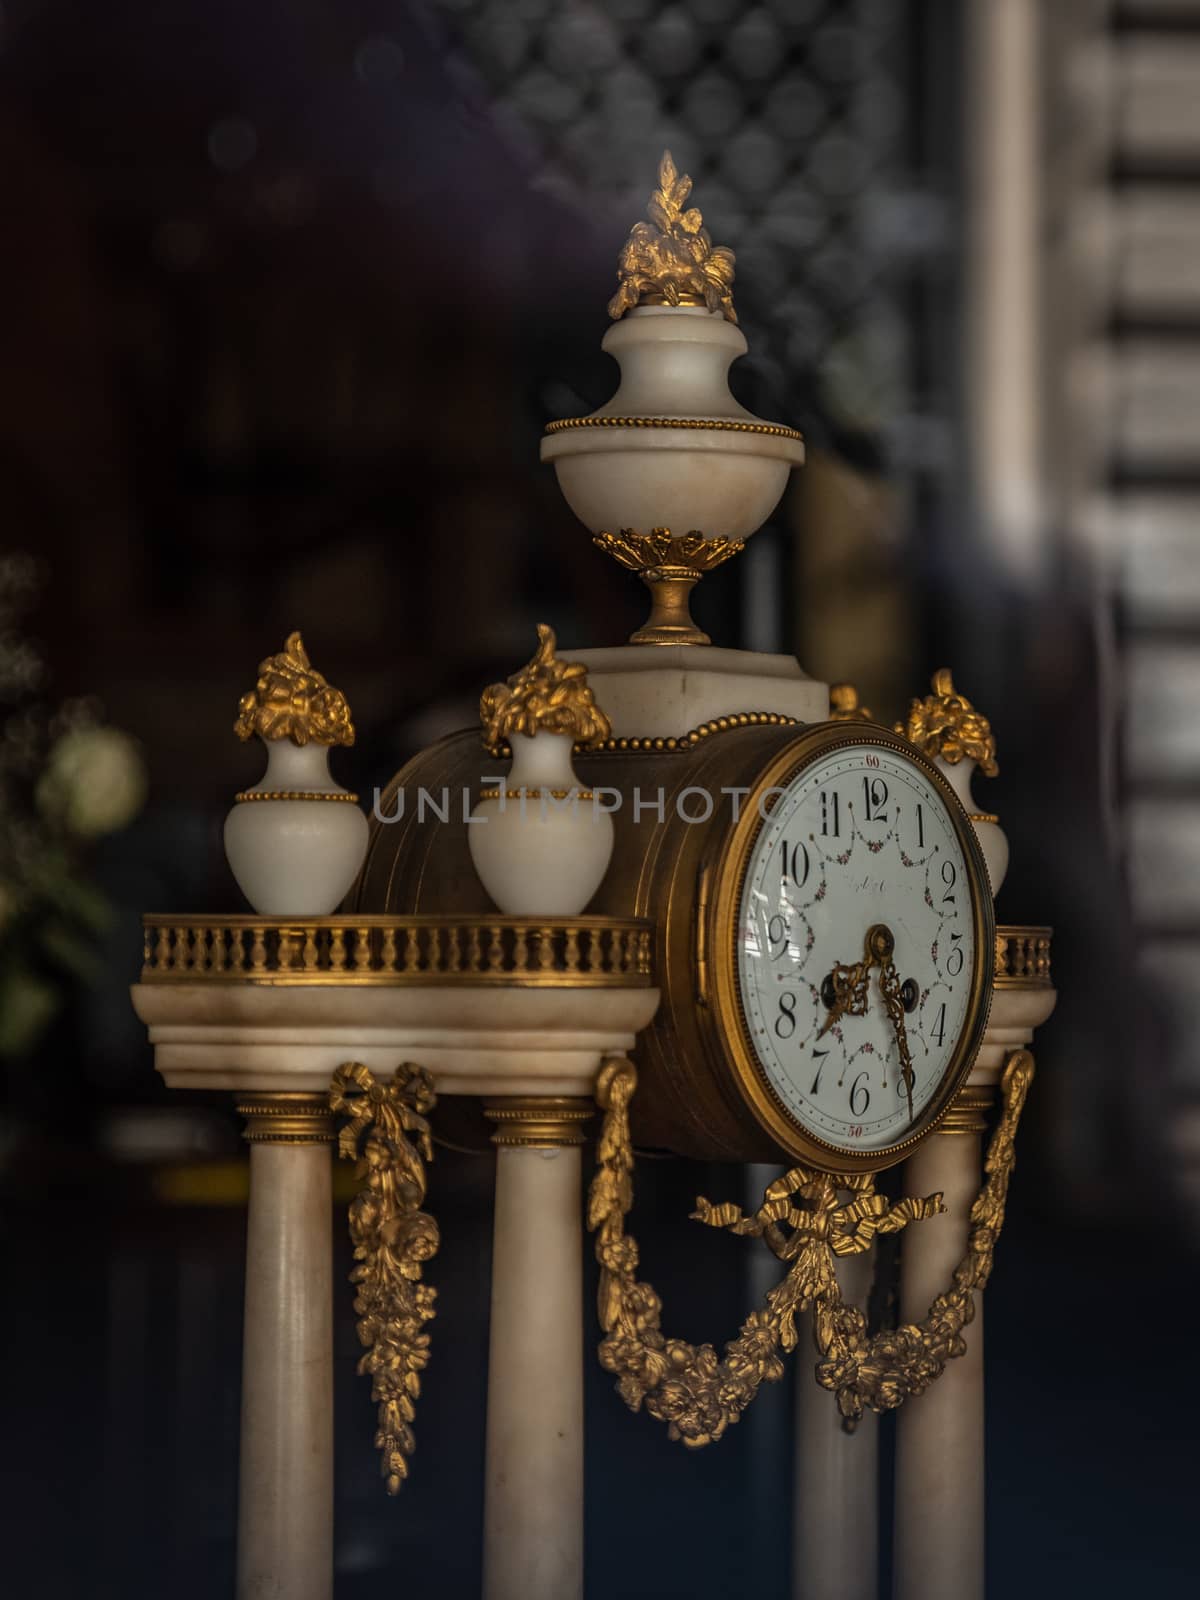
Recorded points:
(1004, 341)
(533, 1498)
(835, 1521)
(285, 1507)
(939, 1535)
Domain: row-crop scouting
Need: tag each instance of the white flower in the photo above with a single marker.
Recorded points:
(94, 781)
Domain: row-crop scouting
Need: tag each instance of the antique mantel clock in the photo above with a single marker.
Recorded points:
(824, 939)
(685, 888)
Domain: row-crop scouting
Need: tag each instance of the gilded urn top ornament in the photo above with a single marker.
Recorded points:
(844, 706)
(548, 695)
(671, 260)
(291, 700)
(946, 724)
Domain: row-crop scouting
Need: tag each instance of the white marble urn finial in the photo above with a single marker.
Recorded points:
(672, 449)
(947, 727)
(296, 840)
(672, 462)
(540, 842)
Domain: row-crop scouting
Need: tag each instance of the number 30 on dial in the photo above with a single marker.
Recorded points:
(857, 947)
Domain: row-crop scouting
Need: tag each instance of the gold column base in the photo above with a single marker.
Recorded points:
(670, 566)
(969, 1109)
(534, 1122)
(286, 1118)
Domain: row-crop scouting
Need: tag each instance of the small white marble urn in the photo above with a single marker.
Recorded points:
(541, 843)
(947, 727)
(993, 840)
(295, 842)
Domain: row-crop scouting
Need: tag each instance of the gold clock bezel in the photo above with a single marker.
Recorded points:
(727, 1011)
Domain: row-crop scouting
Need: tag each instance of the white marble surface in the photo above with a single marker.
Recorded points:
(835, 1522)
(533, 1486)
(940, 1438)
(1014, 1016)
(724, 483)
(993, 841)
(480, 1039)
(295, 858)
(939, 1531)
(285, 1513)
(662, 691)
(538, 856)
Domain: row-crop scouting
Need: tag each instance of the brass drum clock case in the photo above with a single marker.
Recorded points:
(730, 1043)
(701, 1091)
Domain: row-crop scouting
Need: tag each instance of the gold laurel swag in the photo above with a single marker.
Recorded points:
(699, 1394)
(393, 1238)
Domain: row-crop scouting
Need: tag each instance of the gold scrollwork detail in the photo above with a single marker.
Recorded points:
(671, 260)
(698, 1394)
(547, 695)
(392, 1238)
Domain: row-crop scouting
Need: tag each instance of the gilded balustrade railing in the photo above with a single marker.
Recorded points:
(574, 951)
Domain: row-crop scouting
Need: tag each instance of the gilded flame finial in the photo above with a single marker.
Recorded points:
(946, 724)
(844, 706)
(671, 260)
(546, 696)
(293, 701)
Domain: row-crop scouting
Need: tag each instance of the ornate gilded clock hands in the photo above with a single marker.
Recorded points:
(845, 990)
(845, 993)
(890, 988)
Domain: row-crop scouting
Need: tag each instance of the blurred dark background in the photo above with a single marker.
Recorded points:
(289, 293)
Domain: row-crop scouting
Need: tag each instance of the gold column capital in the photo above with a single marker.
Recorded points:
(969, 1110)
(286, 1118)
(539, 1122)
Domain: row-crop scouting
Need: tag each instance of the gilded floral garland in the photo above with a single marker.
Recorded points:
(698, 1394)
(392, 1240)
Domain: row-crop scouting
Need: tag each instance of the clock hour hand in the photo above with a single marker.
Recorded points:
(844, 991)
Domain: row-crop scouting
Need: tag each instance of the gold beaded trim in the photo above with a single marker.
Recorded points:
(538, 794)
(968, 1114)
(720, 424)
(295, 794)
(684, 741)
(539, 1123)
(982, 816)
(286, 1119)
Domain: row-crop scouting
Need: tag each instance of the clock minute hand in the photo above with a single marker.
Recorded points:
(889, 988)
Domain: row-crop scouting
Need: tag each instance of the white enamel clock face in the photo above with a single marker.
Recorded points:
(861, 838)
